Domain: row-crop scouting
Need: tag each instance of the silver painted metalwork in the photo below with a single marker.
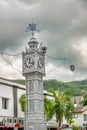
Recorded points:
(32, 27)
(34, 70)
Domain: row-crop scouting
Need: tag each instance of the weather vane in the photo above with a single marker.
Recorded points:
(32, 27)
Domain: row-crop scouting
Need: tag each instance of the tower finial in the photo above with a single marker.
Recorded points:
(32, 27)
(33, 42)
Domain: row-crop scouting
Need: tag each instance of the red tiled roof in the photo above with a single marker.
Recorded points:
(80, 109)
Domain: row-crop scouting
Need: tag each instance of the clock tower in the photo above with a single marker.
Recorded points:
(33, 68)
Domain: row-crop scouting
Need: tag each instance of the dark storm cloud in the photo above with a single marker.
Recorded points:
(30, 2)
(62, 23)
(83, 3)
(54, 17)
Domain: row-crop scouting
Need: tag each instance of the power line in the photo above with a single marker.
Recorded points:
(10, 54)
(10, 63)
(72, 67)
(56, 58)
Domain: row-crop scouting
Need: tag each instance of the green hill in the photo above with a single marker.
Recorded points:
(75, 87)
(20, 81)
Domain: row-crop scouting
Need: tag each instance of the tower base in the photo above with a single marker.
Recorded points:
(35, 125)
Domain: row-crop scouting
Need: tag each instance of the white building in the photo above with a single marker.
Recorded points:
(10, 110)
(80, 116)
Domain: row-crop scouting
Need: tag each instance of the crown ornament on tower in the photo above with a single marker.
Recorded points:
(33, 44)
(32, 27)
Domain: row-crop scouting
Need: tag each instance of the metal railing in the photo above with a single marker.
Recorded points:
(11, 121)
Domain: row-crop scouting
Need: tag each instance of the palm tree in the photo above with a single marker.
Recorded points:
(62, 106)
(84, 101)
(22, 101)
(48, 105)
(69, 109)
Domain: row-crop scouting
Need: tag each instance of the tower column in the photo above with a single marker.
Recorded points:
(34, 70)
(35, 104)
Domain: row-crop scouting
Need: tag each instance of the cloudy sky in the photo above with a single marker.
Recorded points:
(63, 29)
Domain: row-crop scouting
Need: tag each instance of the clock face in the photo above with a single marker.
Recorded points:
(28, 62)
(33, 63)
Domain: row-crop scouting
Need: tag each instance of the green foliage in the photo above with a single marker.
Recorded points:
(84, 101)
(62, 106)
(20, 81)
(22, 101)
(75, 127)
(70, 122)
(75, 87)
(72, 87)
(48, 105)
(48, 84)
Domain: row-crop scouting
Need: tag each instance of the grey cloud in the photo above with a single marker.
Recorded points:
(63, 23)
(83, 3)
(30, 2)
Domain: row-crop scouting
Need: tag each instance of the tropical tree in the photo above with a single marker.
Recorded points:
(84, 101)
(22, 101)
(63, 106)
(48, 105)
(69, 106)
(60, 106)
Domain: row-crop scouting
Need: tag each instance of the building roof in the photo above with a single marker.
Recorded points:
(11, 83)
(8, 82)
(80, 109)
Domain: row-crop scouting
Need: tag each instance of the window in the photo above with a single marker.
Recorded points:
(30, 127)
(4, 103)
(75, 116)
(85, 117)
(21, 121)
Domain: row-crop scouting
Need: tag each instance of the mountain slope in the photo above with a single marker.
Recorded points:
(76, 87)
